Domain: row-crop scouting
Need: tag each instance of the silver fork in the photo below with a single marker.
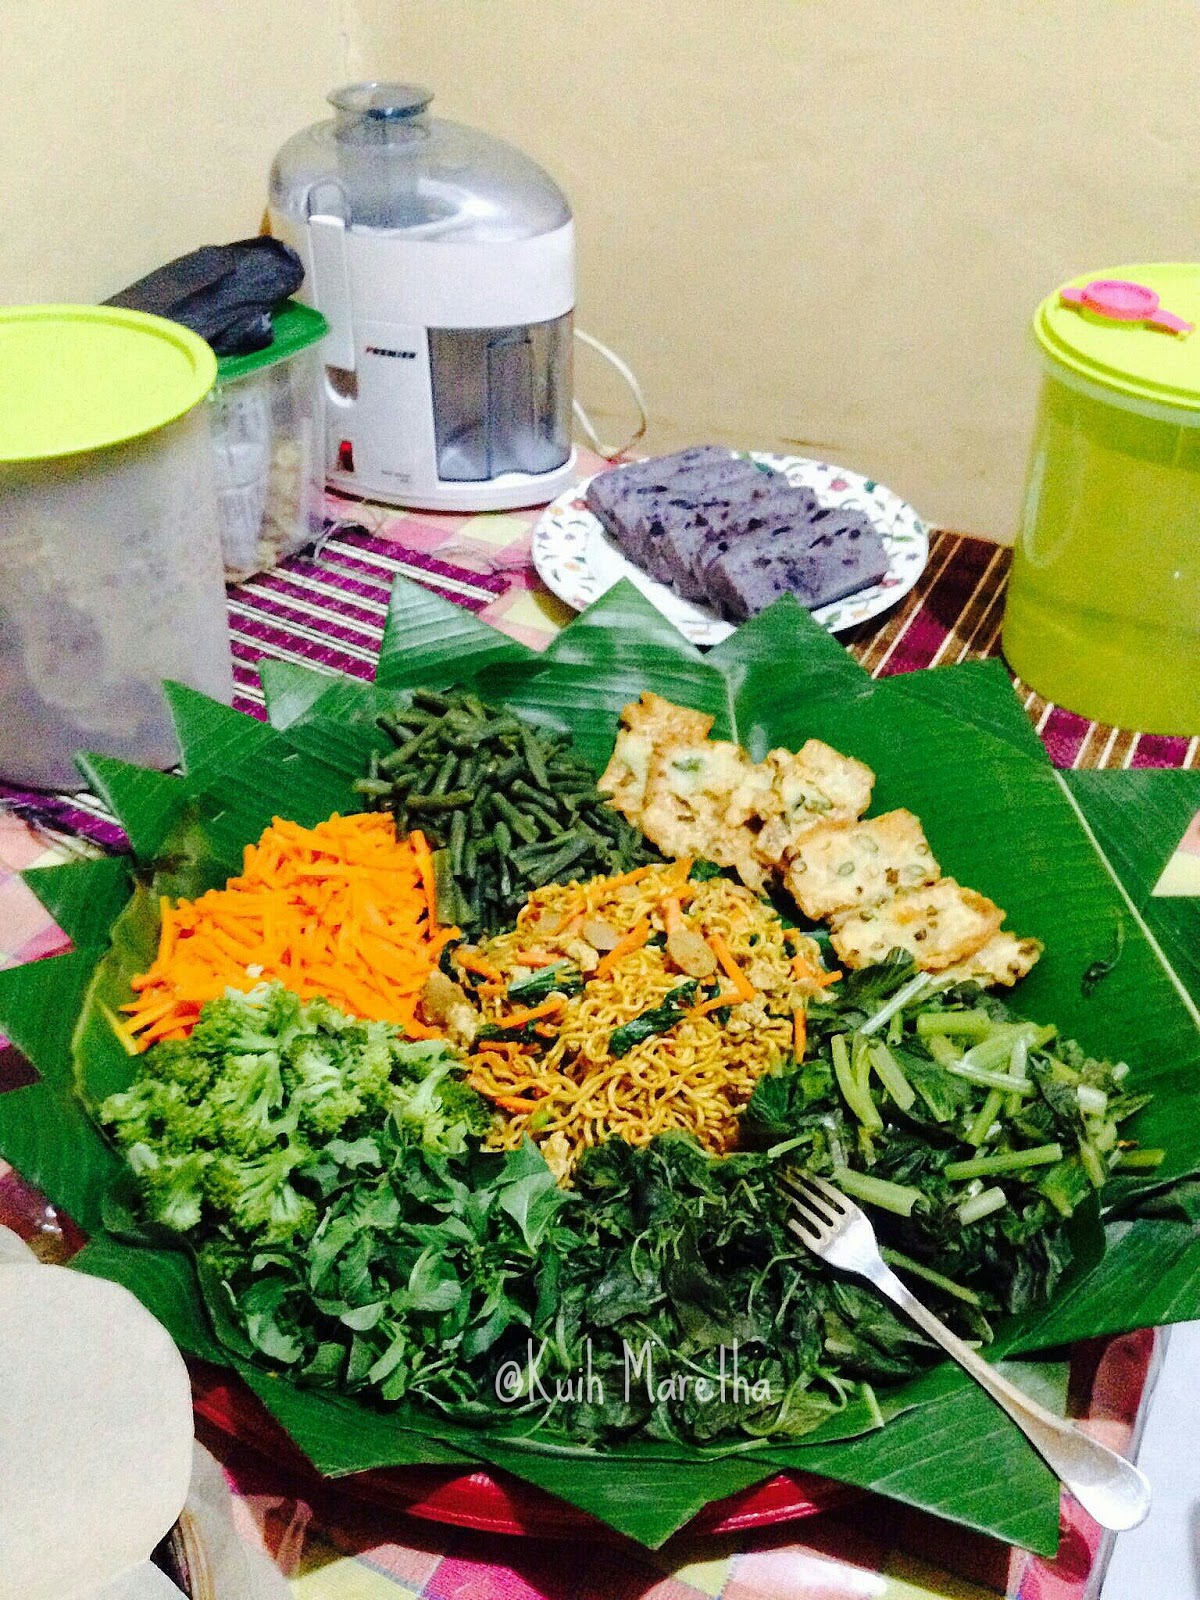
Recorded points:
(1108, 1487)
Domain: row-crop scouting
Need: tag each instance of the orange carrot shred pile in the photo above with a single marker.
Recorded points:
(344, 910)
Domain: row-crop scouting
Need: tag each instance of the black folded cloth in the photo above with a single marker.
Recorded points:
(223, 292)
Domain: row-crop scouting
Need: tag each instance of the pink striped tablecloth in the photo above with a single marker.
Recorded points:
(328, 609)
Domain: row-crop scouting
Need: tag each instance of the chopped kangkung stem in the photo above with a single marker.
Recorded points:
(1092, 1102)
(891, 1075)
(899, 1000)
(1141, 1160)
(944, 1053)
(996, 1050)
(1018, 1068)
(896, 1258)
(895, 1197)
(746, 990)
(981, 1205)
(856, 1095)
(955, 1024)
(980, 1129)
(1042, 1155)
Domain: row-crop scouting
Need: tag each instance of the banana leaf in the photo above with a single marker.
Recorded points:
(953, 745)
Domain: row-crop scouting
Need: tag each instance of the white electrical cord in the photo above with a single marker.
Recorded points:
(611, 452)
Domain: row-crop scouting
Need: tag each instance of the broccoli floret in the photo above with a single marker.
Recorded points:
(266, 1018)
(323, 1100)
(256, 1193)
(374, 1060)
(220, 1123)
(244, 1098)
(175, 1189)
(440, 1109)
(178, 1061)
(159, 1114)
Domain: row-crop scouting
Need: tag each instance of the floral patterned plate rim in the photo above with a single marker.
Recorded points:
(578, 562)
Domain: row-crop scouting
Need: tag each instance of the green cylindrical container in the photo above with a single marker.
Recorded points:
(1103, 612)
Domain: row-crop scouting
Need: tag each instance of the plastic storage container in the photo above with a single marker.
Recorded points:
(1103, 612)
(108, 538)
(268, 433)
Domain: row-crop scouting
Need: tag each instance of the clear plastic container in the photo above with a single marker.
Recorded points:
(268, 434)
(108, 538)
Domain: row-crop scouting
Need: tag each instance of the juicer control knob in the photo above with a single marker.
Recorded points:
(1118, 300)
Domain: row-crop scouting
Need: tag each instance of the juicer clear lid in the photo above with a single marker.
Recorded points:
(383, 163)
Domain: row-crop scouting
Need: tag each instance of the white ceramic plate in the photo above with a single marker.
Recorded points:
(578, 562)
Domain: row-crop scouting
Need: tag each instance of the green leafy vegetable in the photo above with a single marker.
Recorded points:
(658, 1019)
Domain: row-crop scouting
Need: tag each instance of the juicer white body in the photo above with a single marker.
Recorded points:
(381, 291)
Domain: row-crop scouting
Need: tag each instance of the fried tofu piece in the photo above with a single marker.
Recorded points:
(648, 724)
(842, 866)
(812, 785)
(664, 723)
(1003, 959)
(623, 780)
(939, 925)
(819, 778)
(686, 800)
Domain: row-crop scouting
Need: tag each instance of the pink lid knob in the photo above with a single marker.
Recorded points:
(1122, 301)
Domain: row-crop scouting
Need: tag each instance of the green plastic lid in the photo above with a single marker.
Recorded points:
(296, 327)
(76, 378)
(1132, 330)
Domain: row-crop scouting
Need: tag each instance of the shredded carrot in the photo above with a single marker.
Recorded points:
(473, 963)
(724, 955)
(521, 1019)
(633, 940)
(715, 1004)
(799, 1033)
(623, 878)
(344, 910)
(425, 866)
(802, 967)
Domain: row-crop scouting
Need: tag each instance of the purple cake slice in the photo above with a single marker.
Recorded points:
(618, 496)
(786, 512)
(837, 554)
(716, 492)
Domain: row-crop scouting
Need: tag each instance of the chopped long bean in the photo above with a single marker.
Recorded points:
(511, 805)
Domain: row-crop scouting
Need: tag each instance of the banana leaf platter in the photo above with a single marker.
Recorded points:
(1062, 853)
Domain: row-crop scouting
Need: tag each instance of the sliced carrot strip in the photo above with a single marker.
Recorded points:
(633, 940)
(738, 978)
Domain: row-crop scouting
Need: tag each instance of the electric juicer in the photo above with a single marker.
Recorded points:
(443, 260)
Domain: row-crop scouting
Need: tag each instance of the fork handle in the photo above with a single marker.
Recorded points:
(1109, 1488)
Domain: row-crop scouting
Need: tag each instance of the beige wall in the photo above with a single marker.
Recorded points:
(134, 130)
(825, 223)
(818, 224)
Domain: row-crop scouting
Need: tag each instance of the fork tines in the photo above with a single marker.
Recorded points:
(817, 1202)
